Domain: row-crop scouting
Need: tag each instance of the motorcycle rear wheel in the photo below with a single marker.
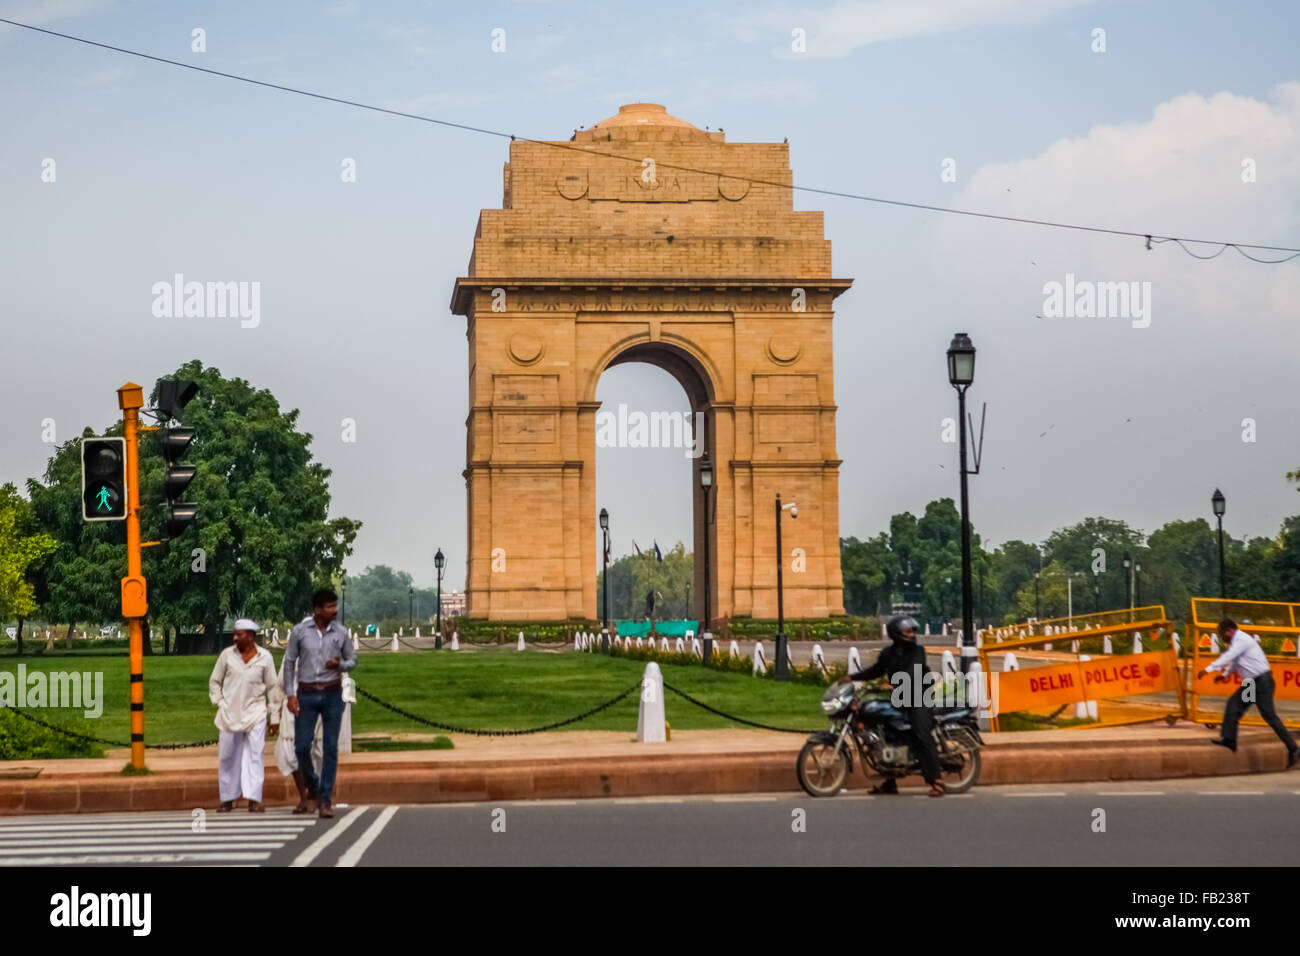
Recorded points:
(822, 769)
(969, 774)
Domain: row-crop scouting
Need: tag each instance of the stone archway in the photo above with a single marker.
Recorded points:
(633, 242)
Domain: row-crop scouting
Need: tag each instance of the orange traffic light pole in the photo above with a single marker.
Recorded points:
(135, 605)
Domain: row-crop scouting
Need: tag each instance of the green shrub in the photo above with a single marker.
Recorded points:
(23, 740)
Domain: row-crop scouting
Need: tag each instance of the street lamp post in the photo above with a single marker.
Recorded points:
(438, 563)
(961, 373)
(343, 601)
(604, 580)
(410, 607)
(1137, 583)
(1128, 581)
(782, 664)
(706, 632)
(1220, 505)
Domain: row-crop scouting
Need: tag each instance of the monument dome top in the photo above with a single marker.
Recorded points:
(644, 114)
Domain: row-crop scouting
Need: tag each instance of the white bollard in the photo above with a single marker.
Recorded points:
(1009, 662)
(651, 642)
(1085, 708)
(855, 661)
(1047, 646)
(734, 650)
(650, 717)
(1214, 644)
(1074, 647)
(1178, 644)
(1137, 643)
(884, 633)
(417, 630)
(696, 647)
(394, 644)
(760, 659)
(520, 645)
(689, 634)
(355, 643)
(819, 658)
(455, 640)
(401, 632)
(948, 666)
(789, 658)
(639, 642)
(1106, 647)
(678, 647)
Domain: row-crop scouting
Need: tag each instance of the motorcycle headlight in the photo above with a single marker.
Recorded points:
(837, 699)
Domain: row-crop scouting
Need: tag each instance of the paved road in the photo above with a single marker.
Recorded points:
(1198, 822)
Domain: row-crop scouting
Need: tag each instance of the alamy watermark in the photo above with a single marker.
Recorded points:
(624, 429)
(179, 299)
(1085, 299)
(82, 690)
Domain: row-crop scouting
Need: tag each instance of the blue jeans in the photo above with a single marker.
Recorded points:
(328, 706)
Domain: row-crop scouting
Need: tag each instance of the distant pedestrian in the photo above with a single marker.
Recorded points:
(319, 652)
(242, 683)
(1244, 656)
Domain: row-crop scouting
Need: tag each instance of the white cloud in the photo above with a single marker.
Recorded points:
(843, 27)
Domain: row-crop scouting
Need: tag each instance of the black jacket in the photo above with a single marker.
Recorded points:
(899, 656)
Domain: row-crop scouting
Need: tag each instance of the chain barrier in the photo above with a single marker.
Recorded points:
(451, 728)
(105, 740)
(740, 720)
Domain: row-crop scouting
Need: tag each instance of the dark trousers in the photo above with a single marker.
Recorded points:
(1237, 704)
(922, 721)
(328, 706)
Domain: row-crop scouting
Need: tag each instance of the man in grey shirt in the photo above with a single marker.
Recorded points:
(319, 652)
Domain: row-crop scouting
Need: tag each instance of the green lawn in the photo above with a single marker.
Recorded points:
(486, 690)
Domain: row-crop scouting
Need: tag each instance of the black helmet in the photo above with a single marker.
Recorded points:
(897, 625)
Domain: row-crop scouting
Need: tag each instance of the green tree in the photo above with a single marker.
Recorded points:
(633, 576)
(380, 593)
(1097, 546)
(22, 547)
(1014, 565)
(262, 538)
(1182, 562)
(865, 566)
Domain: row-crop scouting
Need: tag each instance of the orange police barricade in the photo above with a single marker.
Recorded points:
(1115, 685)
(1276, 624)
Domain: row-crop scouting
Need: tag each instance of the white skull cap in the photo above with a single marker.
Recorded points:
(244, 624)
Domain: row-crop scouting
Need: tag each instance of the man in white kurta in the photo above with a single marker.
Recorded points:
(242, 683)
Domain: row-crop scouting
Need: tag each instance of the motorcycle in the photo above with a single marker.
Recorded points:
(877, 730)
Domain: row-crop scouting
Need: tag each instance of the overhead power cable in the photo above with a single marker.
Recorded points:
(1181, 241)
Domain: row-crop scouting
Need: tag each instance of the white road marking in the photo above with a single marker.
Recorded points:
(151, 846)
(646, 800)
(355, 851)
(1038, 793)
(333, 833)
(1130, 793)
(123, 858)
(1230, 793)
(745, 798)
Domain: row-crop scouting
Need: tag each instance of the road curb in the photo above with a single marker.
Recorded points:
(651, 774)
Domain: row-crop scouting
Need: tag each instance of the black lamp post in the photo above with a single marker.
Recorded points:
(343, 601)
(961, 373)
(439, 562)
(604, 581)
(410, 607)
(1128, 581)
(1137, 583)
(706, 484)
(1220, 505)
(782, 664)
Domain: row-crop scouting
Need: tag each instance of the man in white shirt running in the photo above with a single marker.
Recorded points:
(1244, 656)
(242, 681)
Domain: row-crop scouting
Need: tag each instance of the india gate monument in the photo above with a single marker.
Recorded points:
(646, 239)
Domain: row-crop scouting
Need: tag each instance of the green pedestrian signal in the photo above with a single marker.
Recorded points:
(103, 479)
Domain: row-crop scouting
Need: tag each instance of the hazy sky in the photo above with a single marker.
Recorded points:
(162, 171)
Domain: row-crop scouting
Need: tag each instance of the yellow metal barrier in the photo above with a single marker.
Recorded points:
(1277, 626)
(1059, 676)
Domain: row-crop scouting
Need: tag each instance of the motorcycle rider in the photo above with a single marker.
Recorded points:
(904, 659)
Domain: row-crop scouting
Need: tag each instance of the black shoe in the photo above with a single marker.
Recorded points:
(1230, 744)
(1293, 758)
(888, 787)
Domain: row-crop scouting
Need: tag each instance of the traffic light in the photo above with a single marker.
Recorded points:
(103, 479)
(173, 395)
(177, 478)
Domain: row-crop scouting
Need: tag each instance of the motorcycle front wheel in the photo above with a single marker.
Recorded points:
(823, 768)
